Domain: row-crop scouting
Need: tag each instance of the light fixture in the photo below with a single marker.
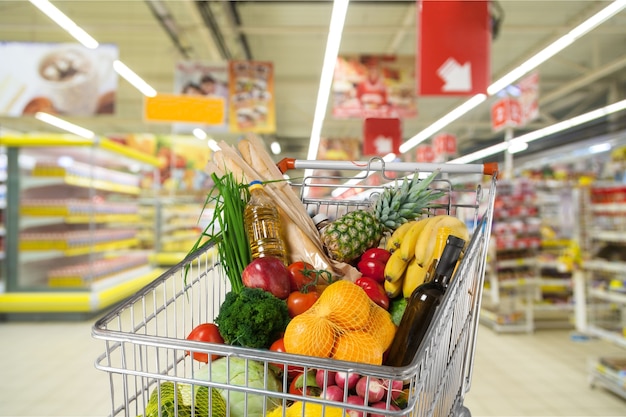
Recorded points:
(213, 145)
(600, 147)
(443, 122)
(337, 19)
(541, 133)
(275, 148)
(134, 79)
(65, 125)
(527, 66)
(66, 23)
(517, 147)
(199, 133)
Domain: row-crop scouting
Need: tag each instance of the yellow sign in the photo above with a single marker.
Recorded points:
(183, 108)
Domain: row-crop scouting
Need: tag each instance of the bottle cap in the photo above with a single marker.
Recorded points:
(318, 218)
(255, 182)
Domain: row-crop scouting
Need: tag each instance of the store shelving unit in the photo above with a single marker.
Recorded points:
(72, 245)
(3, 204)
(600, 285)
(554, 301)
(513, 274)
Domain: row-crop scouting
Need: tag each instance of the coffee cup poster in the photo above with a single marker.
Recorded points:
(57, 78)
(381, 86)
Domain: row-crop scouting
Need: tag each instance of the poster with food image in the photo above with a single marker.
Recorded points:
(251, 91)
(57, 78)
(183, 160)
(208, 80)
(374, 86)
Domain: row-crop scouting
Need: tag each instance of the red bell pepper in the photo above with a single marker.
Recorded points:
(374, 291)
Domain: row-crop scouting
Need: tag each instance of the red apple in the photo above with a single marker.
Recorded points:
(269, 274)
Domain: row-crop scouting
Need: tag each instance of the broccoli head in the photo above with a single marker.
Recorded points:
(252, 318)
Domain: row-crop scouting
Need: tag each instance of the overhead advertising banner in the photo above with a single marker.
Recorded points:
(453, 44)
(195, 111)
(381, 136)
(376, 86)
(202, 90)
(505, 113)
(59, 78)
(251, 106)
(424, 153)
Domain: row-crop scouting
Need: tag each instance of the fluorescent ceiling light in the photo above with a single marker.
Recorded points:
(600, 147)
(65, 125)
(443, 122)
(517, 147)
(213, 145)
(275, 147)
(542, 133)
(337, 19)
(199, 133)
(134, 79)
(66, 23)
(533, 62)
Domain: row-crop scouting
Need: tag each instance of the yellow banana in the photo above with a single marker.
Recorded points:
(414, 276)
(407, 247)
(426, 243)
(393, 289)
(396, 237)
(424, 238)
(395, 267)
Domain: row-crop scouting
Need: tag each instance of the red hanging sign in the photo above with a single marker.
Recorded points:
(454, 39)
(506, 112)
(444, 144)
(381, 136)
(425, 153)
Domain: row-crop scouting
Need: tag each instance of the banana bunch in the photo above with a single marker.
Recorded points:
(413, 247)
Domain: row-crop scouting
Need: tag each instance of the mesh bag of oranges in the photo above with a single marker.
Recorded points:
(343, 324)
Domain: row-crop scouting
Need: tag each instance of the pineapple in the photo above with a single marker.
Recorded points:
(348, 237)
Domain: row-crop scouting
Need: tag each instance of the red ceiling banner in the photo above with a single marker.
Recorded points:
(381, 136)
(454, 40)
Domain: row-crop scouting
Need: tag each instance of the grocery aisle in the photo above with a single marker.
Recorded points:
(47, 370)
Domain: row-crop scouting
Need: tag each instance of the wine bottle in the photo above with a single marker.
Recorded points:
(422, 305)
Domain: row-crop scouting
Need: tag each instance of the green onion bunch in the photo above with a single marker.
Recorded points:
(226, 228)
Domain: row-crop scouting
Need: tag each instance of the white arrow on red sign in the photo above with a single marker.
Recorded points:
(457, 77)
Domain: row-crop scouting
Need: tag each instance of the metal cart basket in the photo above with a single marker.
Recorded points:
(145, 336)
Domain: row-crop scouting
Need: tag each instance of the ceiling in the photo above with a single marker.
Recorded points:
(153, 35)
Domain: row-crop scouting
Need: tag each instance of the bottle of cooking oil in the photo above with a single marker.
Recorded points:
(262, 224)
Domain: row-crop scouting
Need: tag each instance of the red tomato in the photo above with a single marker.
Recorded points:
(377, 254)
(292, 371)
(206, 332)
(299, 302)
(301, 274)
(297, 385)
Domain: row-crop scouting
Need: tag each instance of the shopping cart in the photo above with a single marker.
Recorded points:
(145, 337)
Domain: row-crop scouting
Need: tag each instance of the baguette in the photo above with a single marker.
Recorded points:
(251, 161)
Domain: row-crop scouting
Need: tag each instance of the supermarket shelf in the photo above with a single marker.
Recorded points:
(65, 140)
(84, 182)
(88, 301)
(65, 249)
(609, 208)
(505, 323)
(608, 236)
(80, 218)
(612, 296)
(615, 267)
(513, 263)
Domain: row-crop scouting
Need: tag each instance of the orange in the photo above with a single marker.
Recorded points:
(307, 334)
(358, 346)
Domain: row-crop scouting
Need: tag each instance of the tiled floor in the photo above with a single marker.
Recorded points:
(47, 369)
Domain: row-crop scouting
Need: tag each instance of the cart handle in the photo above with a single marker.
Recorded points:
(490, 168)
